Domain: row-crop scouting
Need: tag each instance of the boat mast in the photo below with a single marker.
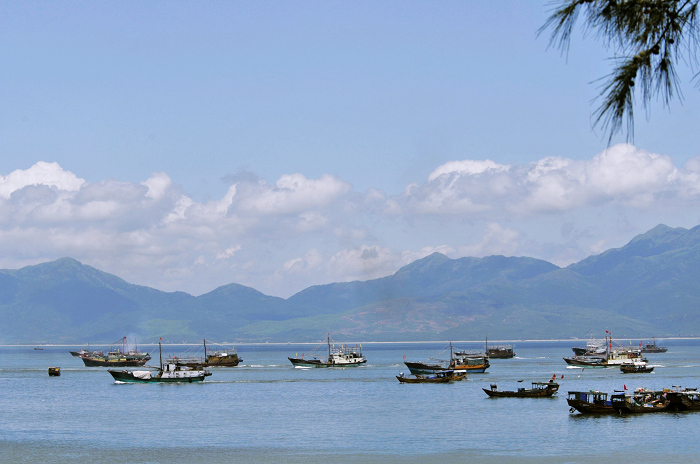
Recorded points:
(160, 352)
(205, 350)
(329, 347)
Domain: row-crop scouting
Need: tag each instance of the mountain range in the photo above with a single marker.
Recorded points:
(648, 287)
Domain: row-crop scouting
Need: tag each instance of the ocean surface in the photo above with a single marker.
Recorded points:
(266, 411)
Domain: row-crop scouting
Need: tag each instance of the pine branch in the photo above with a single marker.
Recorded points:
(648, 37)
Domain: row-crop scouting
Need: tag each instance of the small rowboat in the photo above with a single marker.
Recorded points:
(539, 389)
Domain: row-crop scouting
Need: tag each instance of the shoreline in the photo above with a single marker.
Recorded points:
(424, 342)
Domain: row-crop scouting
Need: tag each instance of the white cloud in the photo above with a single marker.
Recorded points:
(228, 253)
(497, 240)
(622, 174)
(468, 168)
(42, 173)
(152, 233)
(291, 194)
(157, 185)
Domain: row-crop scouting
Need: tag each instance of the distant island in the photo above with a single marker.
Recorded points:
(648, 287)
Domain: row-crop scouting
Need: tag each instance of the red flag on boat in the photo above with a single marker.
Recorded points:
(625, 386)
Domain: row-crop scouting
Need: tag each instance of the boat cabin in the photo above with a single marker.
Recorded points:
(593, 397)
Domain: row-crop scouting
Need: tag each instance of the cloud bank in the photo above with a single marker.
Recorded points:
(284, 236)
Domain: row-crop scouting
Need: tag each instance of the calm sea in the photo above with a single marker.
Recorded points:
(268, 412)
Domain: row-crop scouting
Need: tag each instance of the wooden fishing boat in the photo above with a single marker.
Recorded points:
(343, 356)
(220, 357)
(499, 351)
(116, 357)
(590, 402)
(460, 361)
(538, 390)
(438, 377)
(683, 400)
(166, 373)
(640, 402)
(636, 368)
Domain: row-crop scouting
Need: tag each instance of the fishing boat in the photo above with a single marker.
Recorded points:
(499, 351)
(86, 351)
(461, 361)
(220, 357)
(652, 347)
(475, 363)
(116, 357)
(593, 347)
(538, 390)
(166, 373)
(683, 400)
(590, 402)
(439, 377)
(609, 358)
(641, 401)
(342, 356)
(423, 368)
(636, 368)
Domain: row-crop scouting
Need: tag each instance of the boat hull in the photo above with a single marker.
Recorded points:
(519, 394)
(590, 402)
(129, 377)
(423, 379)
(92, 362)
(418, 368)
(545, 390)
(584, 407)
(300, 362)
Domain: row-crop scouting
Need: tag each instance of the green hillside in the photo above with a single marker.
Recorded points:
(648, 287)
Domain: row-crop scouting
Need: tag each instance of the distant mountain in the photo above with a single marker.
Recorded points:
(648, 287)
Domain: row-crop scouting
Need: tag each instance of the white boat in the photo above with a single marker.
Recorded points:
(343, 356)
(167, 373)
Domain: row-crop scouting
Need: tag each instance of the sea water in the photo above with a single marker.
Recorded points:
(267, 411)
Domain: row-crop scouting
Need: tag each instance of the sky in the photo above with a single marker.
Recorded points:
(280, 145)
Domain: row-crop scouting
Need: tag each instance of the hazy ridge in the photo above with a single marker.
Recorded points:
(648, 287)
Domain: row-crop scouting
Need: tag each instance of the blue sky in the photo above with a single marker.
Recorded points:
(187, 145)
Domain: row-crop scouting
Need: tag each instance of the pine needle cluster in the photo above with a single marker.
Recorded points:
(648, 38)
